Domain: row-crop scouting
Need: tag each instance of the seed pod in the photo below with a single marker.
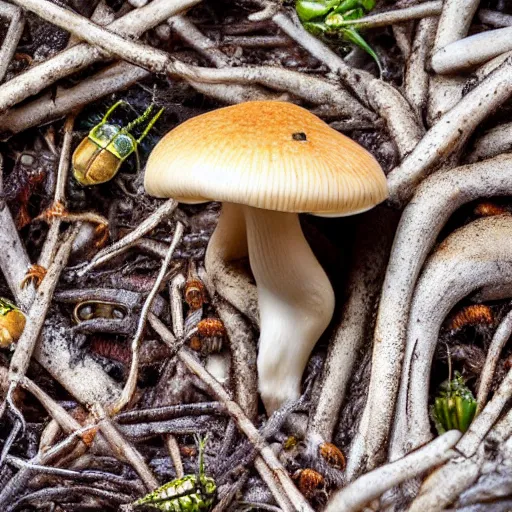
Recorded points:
(455, 406)
(475, 314)
(309, 482)
(89, 309)
(12, 323)
(332, 455)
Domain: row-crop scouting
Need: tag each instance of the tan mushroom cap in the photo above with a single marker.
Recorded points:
(266, 154)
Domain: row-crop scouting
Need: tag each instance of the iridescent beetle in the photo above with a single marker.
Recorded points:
(455, 406)
(100, 155)
(12, 323)
(192, 493)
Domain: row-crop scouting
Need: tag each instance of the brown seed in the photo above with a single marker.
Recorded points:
(308, 481)
(476, 314)
(487, 209)
(194, 293)
(333, 455)
(211, 327)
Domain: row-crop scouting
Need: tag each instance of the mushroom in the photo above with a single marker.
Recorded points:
(267, 161)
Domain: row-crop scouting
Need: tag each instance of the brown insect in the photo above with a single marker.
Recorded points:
(211, 327)
(332, 455)
(473, 315)
(309, 482)
(486, 209)
(194, 293)
(210, 338)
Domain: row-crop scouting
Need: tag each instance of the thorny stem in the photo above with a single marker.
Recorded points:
(279, 474)
(131, 382)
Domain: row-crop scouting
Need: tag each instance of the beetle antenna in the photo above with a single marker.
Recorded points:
(150, 125)
(111, 109)
(139, 119)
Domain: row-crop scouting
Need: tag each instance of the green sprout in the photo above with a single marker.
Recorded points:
(455, 407)
(324, 18)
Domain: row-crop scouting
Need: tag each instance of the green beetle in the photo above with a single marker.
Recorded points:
(192, 493)
(455, 407)
(12, 323)
(100, 155)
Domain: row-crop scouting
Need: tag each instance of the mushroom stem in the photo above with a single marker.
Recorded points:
(295, 297)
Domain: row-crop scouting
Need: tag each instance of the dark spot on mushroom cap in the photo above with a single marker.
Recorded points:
(300, 136)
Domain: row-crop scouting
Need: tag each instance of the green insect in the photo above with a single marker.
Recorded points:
(192, 493)
(455, 406)
(100, 155)
(325, 18)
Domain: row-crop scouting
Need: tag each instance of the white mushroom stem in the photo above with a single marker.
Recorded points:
(435, 200)
(295, 297)
(501, 336)
(479, 254)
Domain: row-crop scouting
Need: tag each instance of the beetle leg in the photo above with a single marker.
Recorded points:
(36, 274)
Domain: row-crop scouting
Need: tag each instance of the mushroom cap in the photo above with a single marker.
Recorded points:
(267, 154)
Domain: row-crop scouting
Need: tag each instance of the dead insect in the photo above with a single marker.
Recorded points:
(210, 338)
(100, 155)
(309, 482)
(455, 406)
(473, 315)
(192, 493)
(89, 309)
(332, 455)
(12, 323)
(194, 293)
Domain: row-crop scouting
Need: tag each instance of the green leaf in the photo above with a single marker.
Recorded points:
(308, 10)
(352, 35)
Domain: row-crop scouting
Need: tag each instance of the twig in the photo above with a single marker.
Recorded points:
(15, 261)
(174, 452)
(495, 18)
(452, 272)
(472, 51)
(12, 37)
(175, 292)
(52, 239)
(435, 200)
(383, 19)
(37, 314)
(120, 445)
(371, 485)
(494, 142)
(163, 211)
(454, 23)
(133, 24)
(500, 338)
(49, 107)
(374, 236)
(279, 474)
(450, 133)
(131, 382)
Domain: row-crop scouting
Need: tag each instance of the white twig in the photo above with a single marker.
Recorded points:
(474, 256)
(174, 452)
(435, 200)
(494, 142)
(12, 37)
(495, 18)
(500, 338)
(371, 485)
(163, 211)
(131, 381)
(450, 133)
(37, 314)
(279, 474)
(133, 24)
(176, 297)
(472, 51)
(383, 19)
